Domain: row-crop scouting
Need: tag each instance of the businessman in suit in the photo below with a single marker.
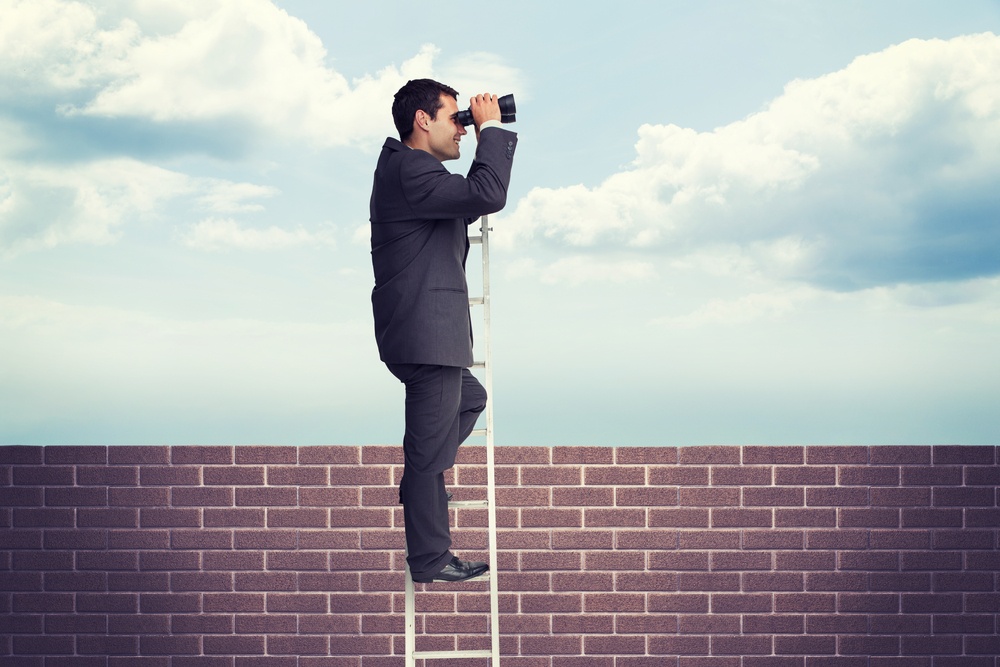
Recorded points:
(419, 218)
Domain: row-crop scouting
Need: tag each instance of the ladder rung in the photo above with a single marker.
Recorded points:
(476, 301)
(479, 364)
(476, 239)
(432, 655)
(469, 503)
(478, 431)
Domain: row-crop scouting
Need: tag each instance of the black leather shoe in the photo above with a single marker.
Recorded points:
(458, 570)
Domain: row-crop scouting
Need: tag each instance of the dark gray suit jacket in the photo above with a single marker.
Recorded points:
(419, 215)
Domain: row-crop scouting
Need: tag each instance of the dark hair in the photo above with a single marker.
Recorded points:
(422, 94)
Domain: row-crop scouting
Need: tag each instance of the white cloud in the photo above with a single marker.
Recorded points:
(219, 234)
(44, 206)
(881, 173)
(196, 62)
(579, 270)
(746, 308)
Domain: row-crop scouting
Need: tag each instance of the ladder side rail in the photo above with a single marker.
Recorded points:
(490, 457)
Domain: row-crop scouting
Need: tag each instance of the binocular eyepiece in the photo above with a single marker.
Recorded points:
(507, 111)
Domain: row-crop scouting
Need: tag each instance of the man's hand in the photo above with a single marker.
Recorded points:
(484, 107)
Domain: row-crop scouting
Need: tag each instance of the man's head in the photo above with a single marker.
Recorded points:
(416, 107)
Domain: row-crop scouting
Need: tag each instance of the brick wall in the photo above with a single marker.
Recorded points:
(625, 557)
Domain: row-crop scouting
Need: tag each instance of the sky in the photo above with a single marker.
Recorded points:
(729, 222)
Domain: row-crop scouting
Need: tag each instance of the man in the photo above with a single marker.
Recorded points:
(419, 218)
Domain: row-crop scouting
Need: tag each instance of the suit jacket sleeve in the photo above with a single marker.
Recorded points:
(432, 192)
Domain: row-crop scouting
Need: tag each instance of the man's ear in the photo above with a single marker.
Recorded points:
(421, 120)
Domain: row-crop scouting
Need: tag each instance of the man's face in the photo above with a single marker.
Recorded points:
(445, 131)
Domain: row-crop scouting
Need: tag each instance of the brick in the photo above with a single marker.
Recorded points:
(21, 454)
(931, 475)
(773, 624)
(141, 455)
(931, 603)
(708, 539)
(233, 475)
(741, 475)
(871, 645)
(524, 455)
(931, 518)
(708, 497)
(297, 475)
(678, 475)
(903, 497)
(868, 560)
(964, 497)
(614, 475)
(680, 518)
(984, 475)
(43, 476)
(805, 475)
(964, 539)
(837, 539)
(817, 455)
(753, 454)
(614, 602)
(76, 454)
(169, 518)
(551, 603)
(774, 496)
(963, 581)
(836, 497)
(645, 581)
(811, 645)
(899, 581)
(772, 581)
(868, 518)
(583, 496)
(107, 475)
(741, 518)
(708, 454)
(741, 603)
(975, 455)
(297, 518)
(773, 539)
(881, 455)
(583, 539)
(523, 497)
(740, 560)
(869, 475)
(676, 561)
(805, 560)
(708, 581)
(645, 455)
(169, 475)
(897, 624)
(550, 561)
(180, 455)
(551, 518)
(201, 497)
(645, 497)
(681, 645)
(931, 645)
(805, 518)
(844, 624)
(741, 645)
(900, 539)
(627, 518)
(700, 624)
(552, 476)
(584, 455)
(613, 560)
(808, 603)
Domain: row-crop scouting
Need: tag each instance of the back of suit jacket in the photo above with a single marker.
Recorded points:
(419, 215)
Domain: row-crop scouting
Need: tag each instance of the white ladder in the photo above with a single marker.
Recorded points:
(493, 653)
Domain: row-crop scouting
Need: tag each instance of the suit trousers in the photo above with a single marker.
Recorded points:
(442, 405)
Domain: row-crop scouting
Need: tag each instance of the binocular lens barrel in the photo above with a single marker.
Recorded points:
(507, 111)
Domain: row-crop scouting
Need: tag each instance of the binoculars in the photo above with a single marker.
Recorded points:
(507, 111)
